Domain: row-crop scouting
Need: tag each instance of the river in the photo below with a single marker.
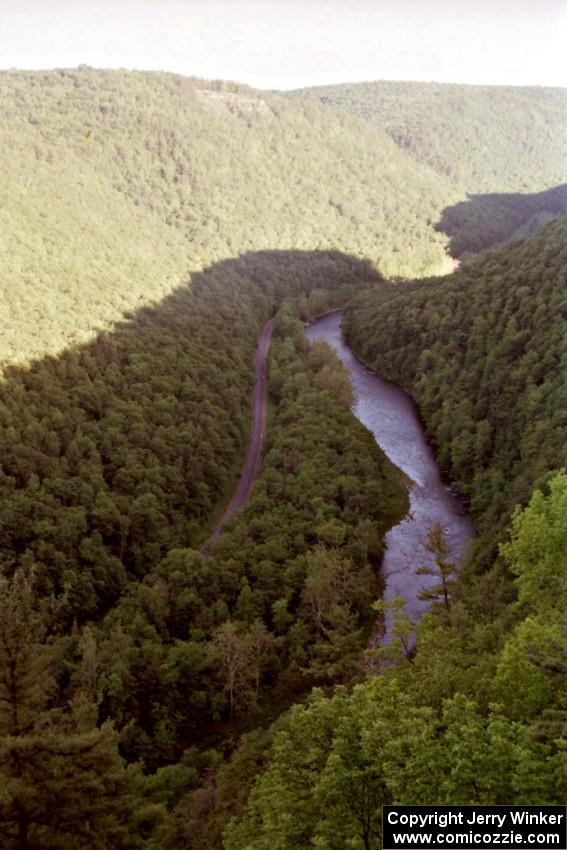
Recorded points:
(390, 414)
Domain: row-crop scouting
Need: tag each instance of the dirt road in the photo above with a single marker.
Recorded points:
(259, 413)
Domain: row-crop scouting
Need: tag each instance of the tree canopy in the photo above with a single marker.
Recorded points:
(481, 351)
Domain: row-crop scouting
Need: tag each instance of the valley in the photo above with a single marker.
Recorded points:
(208, 496)
(391, 417)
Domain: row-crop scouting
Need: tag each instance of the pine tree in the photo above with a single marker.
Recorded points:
(444, 569)
(63, 782)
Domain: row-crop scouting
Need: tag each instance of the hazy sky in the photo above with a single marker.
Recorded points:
(287, 43)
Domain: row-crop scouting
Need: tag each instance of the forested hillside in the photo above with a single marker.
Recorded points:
(483, 221)
(481, 352)
(120, 184)
(121, 448)
(477, 717)
(119, 644)
(479, 140)
(163, 691)
(475, 713)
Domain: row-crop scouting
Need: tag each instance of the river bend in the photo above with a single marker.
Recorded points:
(390, 414)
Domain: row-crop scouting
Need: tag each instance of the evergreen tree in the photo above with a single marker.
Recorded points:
(444, 569)
(63, 782)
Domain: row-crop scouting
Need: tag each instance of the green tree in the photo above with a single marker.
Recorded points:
(537, 550)
(63, 781)
(228, 650)
(444, 569)
(259, 645)
(398, 629)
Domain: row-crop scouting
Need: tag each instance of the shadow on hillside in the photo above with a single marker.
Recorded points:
(118, 450)
(483, 221)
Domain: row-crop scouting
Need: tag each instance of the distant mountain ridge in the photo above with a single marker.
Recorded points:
(506, 142)
(120, 185)
(481, 138)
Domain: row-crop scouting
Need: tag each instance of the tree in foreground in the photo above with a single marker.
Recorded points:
(326, 781)
(335, 761)
(63, 783)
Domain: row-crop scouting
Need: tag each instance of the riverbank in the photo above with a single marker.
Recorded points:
(392, 417)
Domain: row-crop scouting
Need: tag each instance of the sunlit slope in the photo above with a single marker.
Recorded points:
(482, 352)
(481, 138)
(75, 253)
(117, 183)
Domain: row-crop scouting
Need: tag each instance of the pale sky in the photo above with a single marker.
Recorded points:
(292, 43)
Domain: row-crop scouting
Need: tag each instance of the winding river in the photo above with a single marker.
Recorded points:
(390, 414)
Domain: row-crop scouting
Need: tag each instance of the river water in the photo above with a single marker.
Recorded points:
(390, 414)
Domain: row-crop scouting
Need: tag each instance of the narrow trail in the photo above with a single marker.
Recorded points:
(259, 413)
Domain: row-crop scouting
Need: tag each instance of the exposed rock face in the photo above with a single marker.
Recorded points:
(233, 101)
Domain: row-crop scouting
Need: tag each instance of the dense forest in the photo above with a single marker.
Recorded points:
(119, 449)
(477, 717)
(484, 221)
(482, 352)
(180, 648)
(497, 147)
(476, 712)
(121, 184)
(162, 690)
(465, 133)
